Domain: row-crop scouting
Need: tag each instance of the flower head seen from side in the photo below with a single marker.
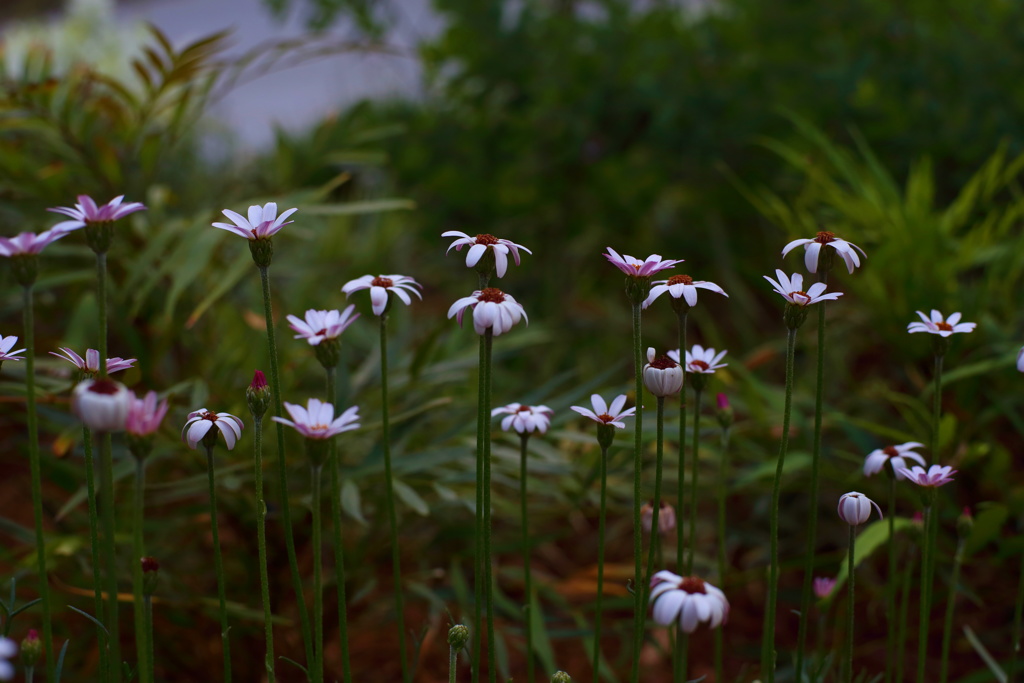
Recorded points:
(634, 267)
(381, 287)
(701, 361)
(681, 287)
(317, 421)
(1020, 360)
(481, 245)
(203, 425)
(936, 324)
(87, 211)
(855, 508)
(791, 289)
(607, 414)
(524, 419)
(262, 222)
(27, 243)
(662, 375)
(101, 404)
(319, 326)
(817, 255)
(492, 309)
(896, 456)
(687, 601)
(145, 414)
(933, 477)
(6, 344)
(90, 365)
(823, 587)
(8, 648)
(666, 517)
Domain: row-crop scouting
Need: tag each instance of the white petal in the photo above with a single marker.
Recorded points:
(667, 606)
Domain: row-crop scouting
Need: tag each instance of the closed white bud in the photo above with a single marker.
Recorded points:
(662, 375)
(855, 508)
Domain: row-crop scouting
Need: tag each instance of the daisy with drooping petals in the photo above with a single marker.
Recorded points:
(937, 325)
(634, 267)
(855, 508)
(101, 404)
(481, 245)
(317, 420)
(322, 325)
(524, 419)
(687, 601)
(262, 223)
(604, 413)
(662, 375)
(816, 254)
(934, 477)
(791, 289)
(86, 211)
(492, 309)
(6, 344)
(401, 285)
(90, 365)
(29, 242)
(201, 421)
(681, 287)
(896, 456)
(145, 414)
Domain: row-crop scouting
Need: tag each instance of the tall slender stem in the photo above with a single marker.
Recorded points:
(452, 660)
(282, 466)
(141, 645)
(94, 541)
(318, 578)
(492, 670)
(598, 611)
(891, 584)
(681, 468)
(901, 632)
(110, 553)
(478, 535)
(334, 467)
(768, 646)
(1018, 611)
(35, 467)
(723, 469)
(389, 494)
(101, 300)
(812, 517)
(524, 439)
(694, 477)
(645, 587)
(147, 603)
(639, 609)
(261, 537)
(682, 655)
(936, 407)
(218, 565)
(927, 572)
(848, 655)
(947, 630)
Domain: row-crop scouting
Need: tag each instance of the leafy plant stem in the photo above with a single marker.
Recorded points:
(145, 670)
(694, 477)
(339, 548)
(598, 613)
(218, 564)
(638, 442)
(524, 440)
(261, 540)
(850, 605)
(947, 631)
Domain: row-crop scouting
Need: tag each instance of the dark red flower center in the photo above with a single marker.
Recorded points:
(824, 237)
(104, 386)
(663, 363)
(486, 239)
(692, 584)
(382, 282)
(945, 327)
(150, 564)
(523, 409)
(212, 417)
(699, 364)
(491, 294)
(606, 418)
(680, 280)
(891, 451)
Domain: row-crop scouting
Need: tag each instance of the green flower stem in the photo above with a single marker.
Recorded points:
(723, 469)
(890, 585)
(639, 609)
(901, 631)
(147, 603)
(261, 536)
(110, 554)
(694, 476)
(936, 407)
(318, 578)
(1018, 611)
(218, 565)
(282, 466)
(645, 587)
(336, 539)
(389, 496)
(492, 670)
(36, 473)
(927, 573)
(947, 631)
(681, 468)
(524, 439)
(145, 665)
(768, 645)
(101, 300)
(478, 535)
(682, 654)
(851, 603)
(453, 655)
(598, 612)
(812, 517)
(94, 536)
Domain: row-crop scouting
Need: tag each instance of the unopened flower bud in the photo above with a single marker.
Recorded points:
(458, 636)
(561, 677)
(662, 375)
(102, 404)
(855, 508)
(965, 523)
(31, 648)
(724, 413)
(258, 395)
(823, 587)
(262, 251)
(150, 575)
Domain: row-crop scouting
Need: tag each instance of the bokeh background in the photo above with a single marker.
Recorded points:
(714, 131)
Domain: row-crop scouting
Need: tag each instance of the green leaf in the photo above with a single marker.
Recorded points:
(351, 502)
(987, 525)
(868, 541)
(541, 641)
(411, 498)
(94, 620)
(60, 661)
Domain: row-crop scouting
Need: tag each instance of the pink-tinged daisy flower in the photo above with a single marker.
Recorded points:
(481, 244)
(322, 325)
(855, 508)
(666, 517)
(201, 421)
(492, 309)
(401, 285)
(634, 267)
(101, 404)
(937, 325)
(90, 365)
(29, 242)
(814, 250)
(6, 344)
(8, 648)
(687, 601)
(662, 375)
(145, 414)
(791, 289)
(700, 360)
(523, 418)
(934, 477)
(681, 286)
(317, 420)
(607, 414)
(895, 455)
(86, 211)
(262, 223)
(823, 586)
(1020, 360)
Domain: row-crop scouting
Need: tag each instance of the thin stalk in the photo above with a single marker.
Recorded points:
(901, 633)
(147, 602)
(645, 587)
(318, 578)
(492, 670)
(389, 495)
(478, 535)
(453, 655)
(336, 539)
(282, 466)
(101, 300)
(261, 536)
(94, 539)
(218, 565)
(600, 564)
(812, 517)
(639, 609)
(681, 468)
(110, 554)
(890, 585)
(768, 646)
(524, 439)
(694, 477)
(848, 659)
(927, 573)
(723, 469)
(936, 407)
(141, 645)
(682, 654)
(35, 466)
(30, 674)
(1018, 611)
(947, 631)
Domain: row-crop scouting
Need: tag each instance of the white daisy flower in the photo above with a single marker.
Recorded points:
(201, 421)
(814, 250)
(478, 246)
(791, 289)
(401, 285)
(491, 308)
(634, 267)
(523, 418)
(606, 414)
(262, 223)
(662, 375)
(687, 601)
(855, 508)
(101, 404)
(317, 420)
(896, 455)
(681, 286)
(937, 325)
(700, 360)
(322, 325)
